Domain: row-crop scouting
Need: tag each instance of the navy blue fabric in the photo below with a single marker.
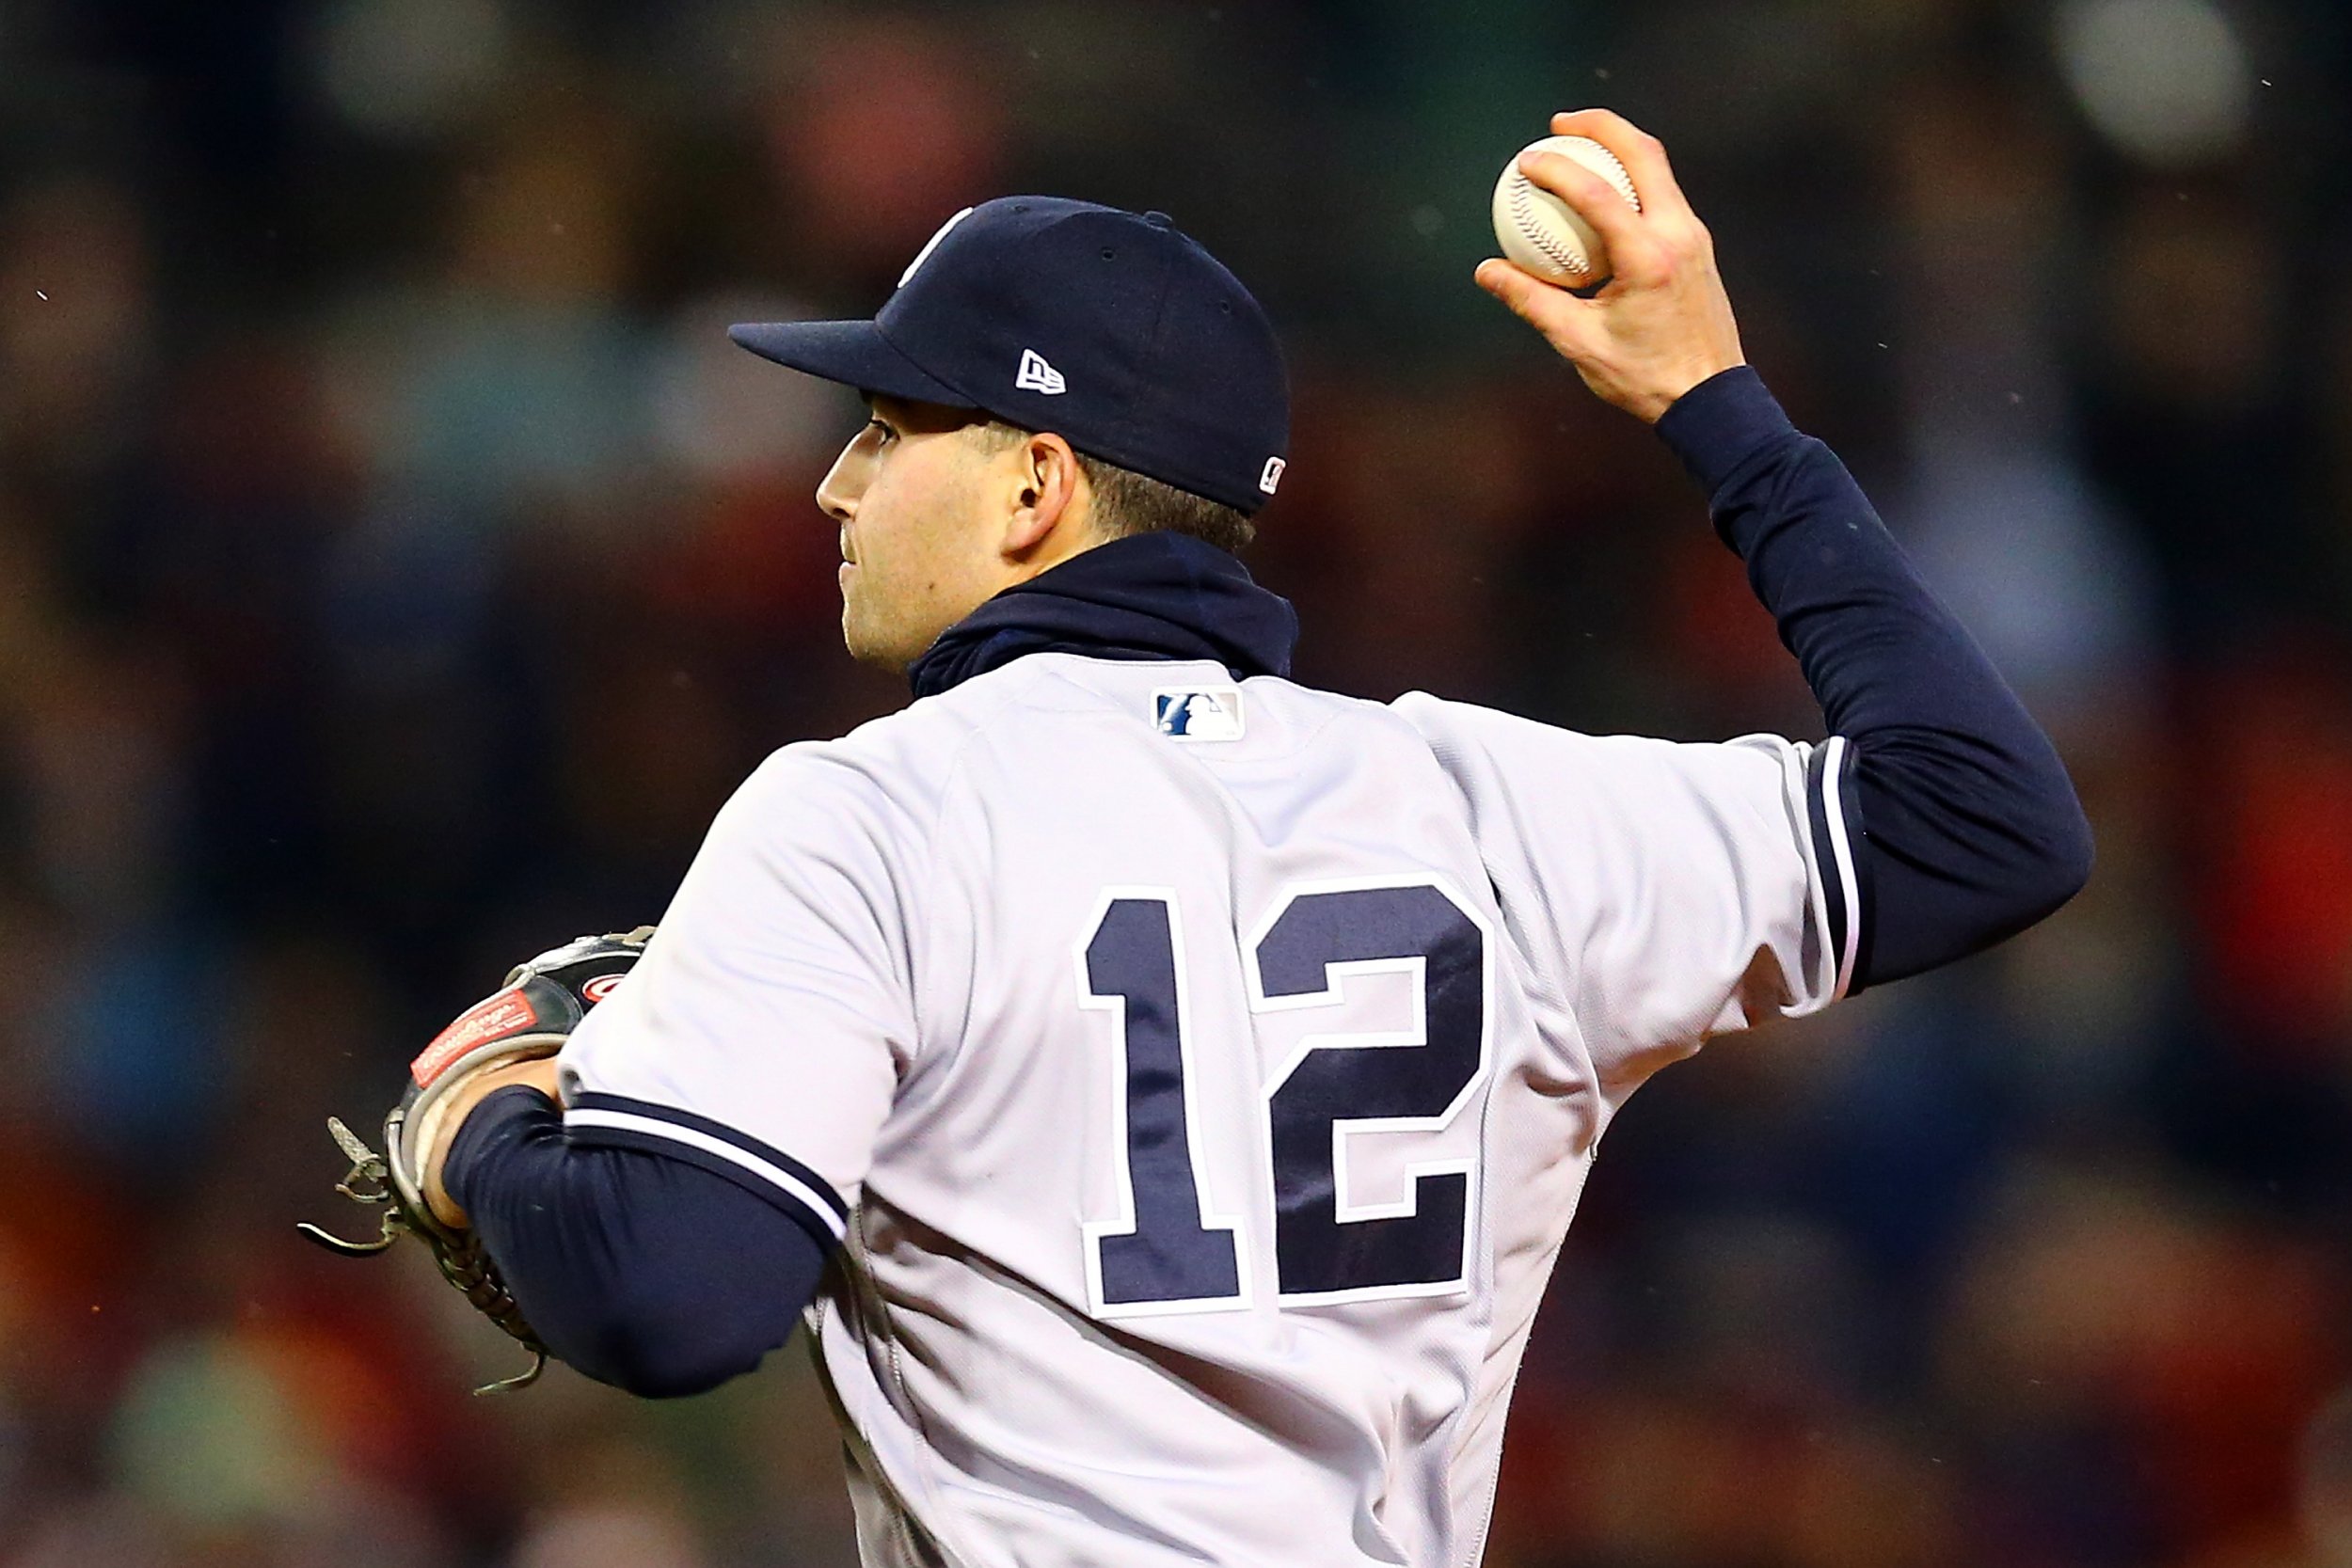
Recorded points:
(1115, 330)
(1147, 596)
(638, 1269)
(1964, 825)
(823, 1226)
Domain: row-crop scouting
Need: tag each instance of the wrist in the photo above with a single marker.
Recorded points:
(537, 1074)
(1673, 389)
(1719, 424)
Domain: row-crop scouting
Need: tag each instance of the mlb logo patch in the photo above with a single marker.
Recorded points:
(1198, 712)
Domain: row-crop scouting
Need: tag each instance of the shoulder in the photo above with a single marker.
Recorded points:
(878, 786)
(1484, 748)
(1443, 721)
(1466, 737)
(883, 782)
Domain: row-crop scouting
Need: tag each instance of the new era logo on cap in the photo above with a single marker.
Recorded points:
(1038, 377)
(1271, 475)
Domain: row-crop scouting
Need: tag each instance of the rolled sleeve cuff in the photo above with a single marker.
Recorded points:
(1718, 425)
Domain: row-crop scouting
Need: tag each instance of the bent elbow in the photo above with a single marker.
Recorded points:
(2070, 871)
(1963, 858)
(655, 1371)
(656, 1351)
(643, 1271)
(2063, 848)
(674, 1378)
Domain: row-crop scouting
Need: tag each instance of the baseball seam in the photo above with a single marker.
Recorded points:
(1538, 234)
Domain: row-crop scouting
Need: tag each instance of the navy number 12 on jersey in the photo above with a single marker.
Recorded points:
(1167, 1251)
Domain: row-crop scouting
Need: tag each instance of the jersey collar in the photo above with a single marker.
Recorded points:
(1147, 596)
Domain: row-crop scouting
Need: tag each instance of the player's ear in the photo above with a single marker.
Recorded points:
(1045, 484)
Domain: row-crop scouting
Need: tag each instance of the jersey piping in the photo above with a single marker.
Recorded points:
(621, 1121)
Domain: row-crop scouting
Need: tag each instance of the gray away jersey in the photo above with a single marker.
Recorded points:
(1200, 1077)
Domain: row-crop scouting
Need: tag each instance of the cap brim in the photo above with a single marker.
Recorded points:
(853, 352)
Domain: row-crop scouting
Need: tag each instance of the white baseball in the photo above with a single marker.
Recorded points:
(1541, 234)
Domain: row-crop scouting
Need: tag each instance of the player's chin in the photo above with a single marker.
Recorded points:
(868, 644)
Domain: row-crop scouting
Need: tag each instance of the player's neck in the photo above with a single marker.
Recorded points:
(1145, 596)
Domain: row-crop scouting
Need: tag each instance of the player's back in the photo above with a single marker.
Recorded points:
(1180, 1241)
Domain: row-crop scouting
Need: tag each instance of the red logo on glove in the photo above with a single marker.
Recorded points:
(599, 988)
(487, 1020)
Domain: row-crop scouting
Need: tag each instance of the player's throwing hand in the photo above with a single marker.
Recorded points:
(1662, 323)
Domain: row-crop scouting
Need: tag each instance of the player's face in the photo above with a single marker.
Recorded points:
(916, 553)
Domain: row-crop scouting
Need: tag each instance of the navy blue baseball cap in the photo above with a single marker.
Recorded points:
(1112, 329)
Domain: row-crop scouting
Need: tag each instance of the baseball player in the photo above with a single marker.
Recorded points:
(1163, 1087)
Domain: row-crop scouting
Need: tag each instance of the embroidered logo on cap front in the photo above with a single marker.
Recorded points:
(1198, 712)
(1038, 377)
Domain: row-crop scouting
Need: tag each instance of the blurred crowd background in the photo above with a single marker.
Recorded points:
(398, 567)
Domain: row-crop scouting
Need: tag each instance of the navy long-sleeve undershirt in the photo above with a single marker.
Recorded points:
(665, 1276)
(1962, 824)
(640, 1270)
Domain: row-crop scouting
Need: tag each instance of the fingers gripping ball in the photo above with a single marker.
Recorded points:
(530, 1016)
(1543, 235)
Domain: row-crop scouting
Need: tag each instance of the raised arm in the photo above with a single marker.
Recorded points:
(1943, 806)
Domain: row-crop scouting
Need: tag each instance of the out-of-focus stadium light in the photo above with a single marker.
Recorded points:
(407, 70)
(2167, 82)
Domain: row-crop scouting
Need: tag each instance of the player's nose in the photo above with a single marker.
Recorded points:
(835, 496)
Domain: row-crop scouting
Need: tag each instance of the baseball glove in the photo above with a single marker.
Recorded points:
(529, 1017)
